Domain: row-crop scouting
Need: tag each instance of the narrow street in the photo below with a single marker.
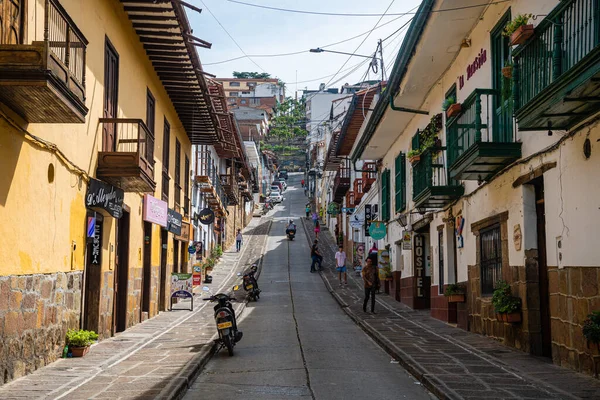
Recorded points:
(297, 341)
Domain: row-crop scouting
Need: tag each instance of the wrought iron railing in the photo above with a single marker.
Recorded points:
(482, 119)
(129, 136)
(429, 171)
(565, 37)
(65, 41)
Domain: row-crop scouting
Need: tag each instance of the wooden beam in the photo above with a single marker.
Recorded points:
(142, 9)
(146, 39)
(145, 25)
(536, 173)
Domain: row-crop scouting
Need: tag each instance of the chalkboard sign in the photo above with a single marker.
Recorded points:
(174, 220)
(103, 196)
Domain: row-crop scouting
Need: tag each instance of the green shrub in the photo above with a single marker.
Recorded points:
(454, 288)
(591, 327)
(516, 23)
(502, 299)
(81, 338)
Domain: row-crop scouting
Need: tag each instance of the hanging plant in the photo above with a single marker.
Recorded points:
(518, 29)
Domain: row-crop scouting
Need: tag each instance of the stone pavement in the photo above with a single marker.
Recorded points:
(451, 362)
(157, 359)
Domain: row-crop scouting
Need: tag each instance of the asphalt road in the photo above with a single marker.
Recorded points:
(297, 341)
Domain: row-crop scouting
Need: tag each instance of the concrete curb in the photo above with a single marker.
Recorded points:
(413, 368)
(183, 381)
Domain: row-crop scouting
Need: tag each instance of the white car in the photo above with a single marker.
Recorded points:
(276, 196)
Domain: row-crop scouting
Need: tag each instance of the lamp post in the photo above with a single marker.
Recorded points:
(374, 59)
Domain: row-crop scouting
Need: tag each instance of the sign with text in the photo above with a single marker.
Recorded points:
(103, 196)
(184, 236)
(368, 218)
(155, 211)
(419, 263)
(96, 245)
(206, 216)
(174, 221)
(378, 230)
(181, 285)
(406, 240)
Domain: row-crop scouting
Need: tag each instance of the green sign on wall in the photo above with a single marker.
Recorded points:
(378, 230)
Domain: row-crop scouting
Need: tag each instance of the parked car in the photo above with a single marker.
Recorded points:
(276, 196)
(283, 174)
(279, 185)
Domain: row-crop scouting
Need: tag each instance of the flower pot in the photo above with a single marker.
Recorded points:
(414, 159)
(456, 298)
(453, 110)
(507, 72)
(509, 317)
(521, 35)
(79, 351)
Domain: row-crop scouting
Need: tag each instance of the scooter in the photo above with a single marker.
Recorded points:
(291, 234)
(250, 283)
(225, 319)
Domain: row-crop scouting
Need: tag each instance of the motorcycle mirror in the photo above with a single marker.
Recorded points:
(206, 289)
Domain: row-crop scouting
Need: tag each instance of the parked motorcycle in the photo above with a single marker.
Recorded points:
(250, 284)
(225, 319)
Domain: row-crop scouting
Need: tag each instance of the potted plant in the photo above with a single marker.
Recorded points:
(451, 107)
(414, 156)
(591, 328)
(79, 341)
(507, 70)
(518, 29)
(455, 293)
(507, 307)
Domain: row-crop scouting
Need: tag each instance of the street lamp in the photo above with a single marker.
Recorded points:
(374, 60)
(320, 50)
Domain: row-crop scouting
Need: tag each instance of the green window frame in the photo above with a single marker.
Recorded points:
(400, 182)
(385, 195)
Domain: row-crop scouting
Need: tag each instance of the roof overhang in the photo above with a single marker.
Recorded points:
(431, 45)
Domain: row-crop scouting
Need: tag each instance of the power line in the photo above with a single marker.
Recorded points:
(364, 40)
(361, 14)
(231, 37)
(305, 51)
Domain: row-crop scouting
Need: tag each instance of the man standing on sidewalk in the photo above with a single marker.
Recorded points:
(370, 280)
(340, 258)
(316, 257)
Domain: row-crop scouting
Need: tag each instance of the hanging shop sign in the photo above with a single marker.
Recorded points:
(333, 209)
(174, 221)
(348, 210)
(357, 220)
(106, 197)
(459, 226)
(206, 216)
(475, 66)
(184, 236)
(182, 287)
(96, 245)
(406, 240)
(368, 218)
(378, 230)
(155, 211)
(419, 260)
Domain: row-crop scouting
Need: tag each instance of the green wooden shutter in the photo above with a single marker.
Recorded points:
(385, 195)
(416, 139)
(400, 182)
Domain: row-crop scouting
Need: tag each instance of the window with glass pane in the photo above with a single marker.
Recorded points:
(400, 182)
(490, 258)
(385, 195)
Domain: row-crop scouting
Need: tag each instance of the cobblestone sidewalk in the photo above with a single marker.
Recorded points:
(157, 359)
(451, 362)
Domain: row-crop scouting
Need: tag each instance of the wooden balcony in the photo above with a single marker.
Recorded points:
(431, 186)
(127, 160)
(209, 183)
(369, 178)
(557, 71)
(341, 183)
(358, 190)
(44, 82)
(231, 188)
(480, 139)
(350, 199)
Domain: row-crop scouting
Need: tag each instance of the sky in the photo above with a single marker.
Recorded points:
(266, 32)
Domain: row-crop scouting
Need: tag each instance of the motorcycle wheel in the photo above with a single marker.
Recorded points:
(229, 344)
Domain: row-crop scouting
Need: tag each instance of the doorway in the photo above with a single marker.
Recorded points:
(93, 276)
(121, 274)
(164, 237)
(540, 211)
(147, 274)
(176, 255)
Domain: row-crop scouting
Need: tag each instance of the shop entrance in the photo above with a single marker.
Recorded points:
(121, 274)
(147, 273)
(164, 237)
(421, 269)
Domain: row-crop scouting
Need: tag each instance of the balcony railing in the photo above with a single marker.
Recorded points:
(231, 188)
(127, 160)
(431, 186)
(358, 190)
(560, 57)
(45, 81)
(341, 183)
(481, 138)
(369, 177)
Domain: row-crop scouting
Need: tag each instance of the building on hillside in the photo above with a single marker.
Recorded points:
(486, 159)
(263, 93)
(253, 123)
(97, 138)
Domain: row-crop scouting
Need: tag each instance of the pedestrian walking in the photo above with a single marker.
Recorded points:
(340, 258)
(371, 281)
(316, 256)
(307, 211)
(317, 229)
(238, 240)
(302, 182)
(315, 218)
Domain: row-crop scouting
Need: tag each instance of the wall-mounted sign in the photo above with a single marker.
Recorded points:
(419, 262)
(517, 237)
(103, 196)
(206, 216)
(368, 218)
(96, 245)
(459, 226)
(91, 226)
(406, 240)
(155, 211)
(377, 230)
(184, 236)
(480, 59)
(174, 221)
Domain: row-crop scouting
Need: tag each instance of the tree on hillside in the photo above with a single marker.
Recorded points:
(289, 120)
(251, 75)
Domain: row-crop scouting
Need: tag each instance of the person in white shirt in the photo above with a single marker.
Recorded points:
(238, 240)
(340, 258)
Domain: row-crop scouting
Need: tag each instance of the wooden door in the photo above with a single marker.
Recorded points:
(121, 274)
(111, 94)
(12, 21)
(543, 268)
(93, 278)
(147, 273)
(164, 235)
